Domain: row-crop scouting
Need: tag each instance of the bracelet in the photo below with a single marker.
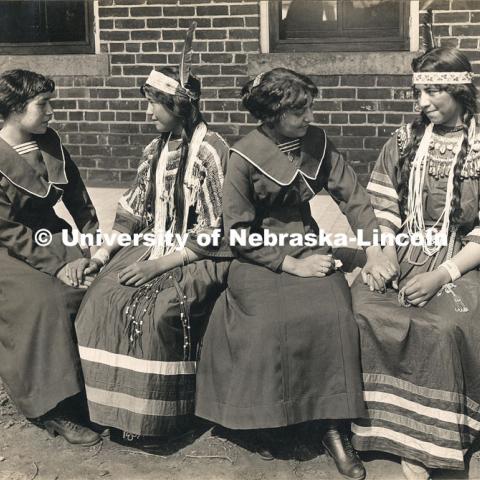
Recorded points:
(102, 256)
(452, 269)
(185, 257)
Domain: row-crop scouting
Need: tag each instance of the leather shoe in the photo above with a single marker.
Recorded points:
(338, 446)
(71, 431)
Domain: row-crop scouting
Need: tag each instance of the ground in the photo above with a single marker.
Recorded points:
(29, 453)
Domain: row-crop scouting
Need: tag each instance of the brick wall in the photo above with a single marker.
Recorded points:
(102, 119)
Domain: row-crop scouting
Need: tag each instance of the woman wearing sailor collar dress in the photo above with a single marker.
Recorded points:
(281, 346)
(41, 283)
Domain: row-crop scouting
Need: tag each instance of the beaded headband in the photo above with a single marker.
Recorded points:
(442, 78)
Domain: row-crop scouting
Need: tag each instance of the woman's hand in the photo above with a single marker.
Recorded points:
(313, 266)
(422, 287)
(379, 269)
(141, 272)
(78, 273)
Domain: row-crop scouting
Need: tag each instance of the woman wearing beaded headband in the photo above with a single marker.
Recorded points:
(139, 326)
(420, 364)
(281, 345)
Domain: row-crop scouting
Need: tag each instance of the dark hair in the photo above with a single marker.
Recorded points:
(441, 60)
(188, 110)
(275, 92)
(17, 87)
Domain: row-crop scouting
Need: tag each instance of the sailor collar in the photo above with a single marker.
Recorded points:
(21, 174)
(263, 153)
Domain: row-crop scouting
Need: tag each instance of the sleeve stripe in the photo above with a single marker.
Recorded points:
(381, 178)
(387, 191)
(392, 218)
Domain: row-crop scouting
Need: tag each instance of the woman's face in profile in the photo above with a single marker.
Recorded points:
(294, 123)
(36, 114)
(166, 121)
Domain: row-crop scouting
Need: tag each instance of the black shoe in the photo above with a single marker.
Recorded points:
(338, 446)
(71, 431)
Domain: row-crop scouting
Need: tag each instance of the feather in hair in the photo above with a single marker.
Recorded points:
(428, 40)
(186, 59)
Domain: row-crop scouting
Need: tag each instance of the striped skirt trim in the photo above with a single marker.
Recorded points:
(143, 397)
(433, 426)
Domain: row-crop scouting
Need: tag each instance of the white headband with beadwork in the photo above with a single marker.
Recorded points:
(162, 82)
(441, 78)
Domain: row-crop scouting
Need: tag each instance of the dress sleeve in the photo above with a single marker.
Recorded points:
(77, 200)
(240, 216)
(19, 240)
(209, 205)
(132, 210)
(348, 193)
(383, 184)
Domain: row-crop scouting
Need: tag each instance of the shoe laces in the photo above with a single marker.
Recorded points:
(347, 445)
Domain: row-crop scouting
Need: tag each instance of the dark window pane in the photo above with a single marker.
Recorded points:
(48, 22)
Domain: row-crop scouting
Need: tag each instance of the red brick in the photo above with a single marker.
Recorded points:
(327, 105)
(123, 105)
(106, 24)
(173, 34)
(124, 128)
(321, 118)
(93, 127)
(233, 69)
(338, 93)
(75, 116)
(122, 59)
(354, 105)
(358, 80)
(74, 93)
(88, 81)
(113, 12)
(114, 35)
(237, 117)
(210, 34)
(162, 23)
(450, 17)
(216, 46)
(106, 93)
(130, 23)
(435, 5)
(85, 162)
(396, 106)
(212, 10)
(218, 81)
(151, 59)
(466, 5)
(228, 22)
(201, 22)
(95, 150)
(107, 116)
(449, 42)
(376, 118)
(251, 46)
(217, 57)
(145, 35)
(385, 131)
(331, 130)
(130, 93)
(142, 70)
(395, 119)
(59, 115)
(252, 21)
(220, 105)
(358, 131)
(466, 30)
(394, 80)
(468, 43)
(150, 12)
(135, 47)
(325, 80)
(179, 11)
(357, 118)
(339, 118)
(244, 9)
(116, 47)
(118, 139)
(374, 93)
(115, 70)
(243, 33)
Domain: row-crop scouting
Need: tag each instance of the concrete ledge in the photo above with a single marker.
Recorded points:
(59, 65)
(335, 63)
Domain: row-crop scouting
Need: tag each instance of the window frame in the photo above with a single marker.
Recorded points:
(58, 48)
(402, 42)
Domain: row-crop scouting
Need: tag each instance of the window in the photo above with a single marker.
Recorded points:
(338, 25)
(46, 27)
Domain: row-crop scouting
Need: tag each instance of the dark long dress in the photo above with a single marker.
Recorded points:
(39, 360)
(140, 378)
(420, 365)
(280, 349)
